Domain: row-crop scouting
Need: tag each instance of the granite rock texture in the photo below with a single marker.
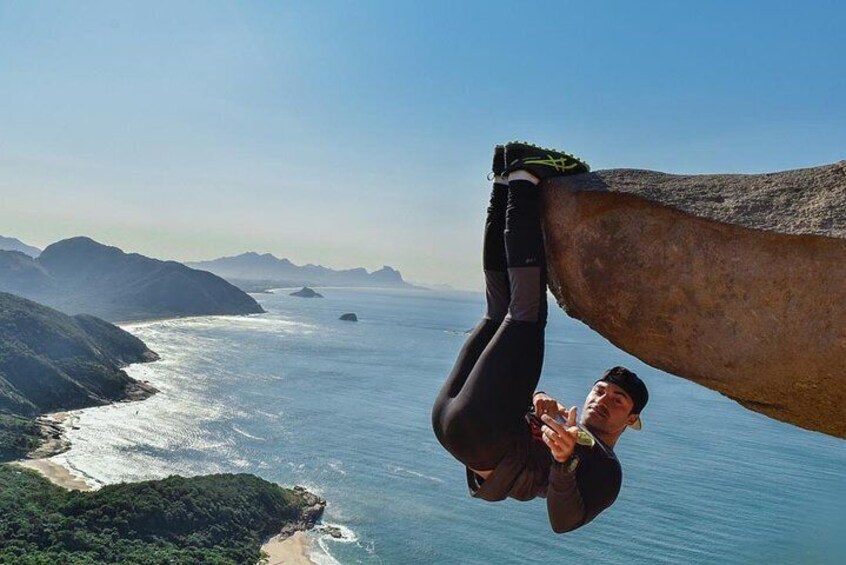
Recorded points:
(736, 282)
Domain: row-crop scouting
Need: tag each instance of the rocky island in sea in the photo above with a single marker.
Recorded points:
(51, 361)
(306, 292)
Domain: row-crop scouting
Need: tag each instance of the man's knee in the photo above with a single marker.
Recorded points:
(470, 441)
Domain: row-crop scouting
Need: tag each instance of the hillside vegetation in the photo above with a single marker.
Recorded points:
(211, 520)
(51, 361)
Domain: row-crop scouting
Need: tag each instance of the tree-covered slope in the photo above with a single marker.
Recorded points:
(18, 436)
(51, 361)
(214, 519)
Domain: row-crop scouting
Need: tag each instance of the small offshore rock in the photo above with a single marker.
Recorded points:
(333, 531)
(307, 292)
(349, 317)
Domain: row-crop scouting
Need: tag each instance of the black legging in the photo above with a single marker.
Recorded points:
(481, 407)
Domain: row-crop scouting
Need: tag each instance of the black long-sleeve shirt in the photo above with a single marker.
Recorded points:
(574, 498)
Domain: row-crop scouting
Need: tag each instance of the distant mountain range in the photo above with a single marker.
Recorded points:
(252, 267)
(14, 244)
(79, 275)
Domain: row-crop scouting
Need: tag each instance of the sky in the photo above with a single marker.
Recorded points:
(360, 133)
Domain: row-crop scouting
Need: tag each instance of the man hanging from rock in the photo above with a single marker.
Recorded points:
(516, 442)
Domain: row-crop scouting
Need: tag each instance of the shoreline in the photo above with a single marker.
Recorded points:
(55, 473)
(53, 427)
(283, 548)
(290, 550)
(54, 440)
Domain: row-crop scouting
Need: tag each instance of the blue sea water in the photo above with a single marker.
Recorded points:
(297, 396)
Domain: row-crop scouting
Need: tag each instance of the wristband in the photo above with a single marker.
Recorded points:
(571, 463)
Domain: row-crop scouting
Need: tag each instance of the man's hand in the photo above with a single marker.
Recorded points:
(545, 404)
(561, 439)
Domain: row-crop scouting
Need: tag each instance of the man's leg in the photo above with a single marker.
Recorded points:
(497, 295)
(481, 422)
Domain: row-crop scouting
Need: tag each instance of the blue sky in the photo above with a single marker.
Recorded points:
(359, 133)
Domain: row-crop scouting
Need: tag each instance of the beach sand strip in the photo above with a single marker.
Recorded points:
(55, 473)
(289, 551)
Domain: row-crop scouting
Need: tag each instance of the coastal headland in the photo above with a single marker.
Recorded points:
(54, 361)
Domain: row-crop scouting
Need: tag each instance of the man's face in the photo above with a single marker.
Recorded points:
(608, 408)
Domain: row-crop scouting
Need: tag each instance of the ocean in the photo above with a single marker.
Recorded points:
(299, 397)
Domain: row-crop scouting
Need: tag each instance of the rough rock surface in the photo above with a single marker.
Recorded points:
(735, 282)
(313, 507)
(349, 317)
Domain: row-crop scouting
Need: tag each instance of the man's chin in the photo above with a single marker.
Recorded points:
(595, 421)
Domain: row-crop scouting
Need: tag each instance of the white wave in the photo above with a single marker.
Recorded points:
(310, 487)
(337, 466)
(324, 556)
(347, 534)
(153, 332)
(245, 434)
(76, 472)
(268, 414)
(403, 471)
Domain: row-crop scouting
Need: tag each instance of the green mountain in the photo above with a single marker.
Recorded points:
(50, 361)
(214, 519)
(80, 275)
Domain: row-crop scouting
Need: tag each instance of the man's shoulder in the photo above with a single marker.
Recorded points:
(601, 454)
(600, 477)
(600, 464)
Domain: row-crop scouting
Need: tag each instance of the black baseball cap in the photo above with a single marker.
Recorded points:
(633, 386)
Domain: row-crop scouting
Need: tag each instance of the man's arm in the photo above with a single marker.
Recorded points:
(570, 505)
(564, 502)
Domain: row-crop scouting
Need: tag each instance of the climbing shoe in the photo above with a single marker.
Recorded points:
(540, 162)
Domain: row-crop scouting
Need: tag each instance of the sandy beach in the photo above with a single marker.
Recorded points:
(55, 473)
(289, 551)
(54, 444)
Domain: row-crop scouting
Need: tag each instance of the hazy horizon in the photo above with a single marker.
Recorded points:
(279, 257)
(359, 135)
